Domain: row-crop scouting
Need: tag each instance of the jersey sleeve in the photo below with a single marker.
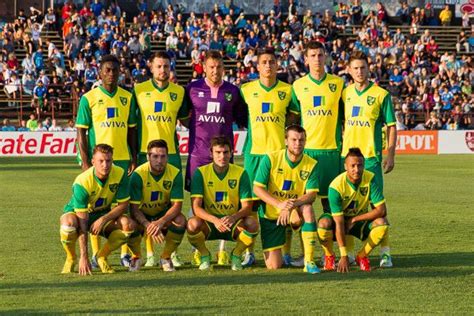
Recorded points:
(335, 202)
(123, 194)
(245, 191)
(312, 185)
(80, 198)
(376, 194)
(136, 188)
(132, 116)
(84, 116)
(240, 111)
(177, 194)
(295, 106)
(197, 188)
(388, 113)
(263, 172)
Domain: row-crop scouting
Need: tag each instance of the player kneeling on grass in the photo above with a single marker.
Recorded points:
(156, 199)
(351, 194)
(287, 183)
(221, 199)
(89, 210)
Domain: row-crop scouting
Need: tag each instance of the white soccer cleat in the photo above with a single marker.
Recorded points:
(150, 261)
(298, 262)
(167, 265)
(135, 264)
(386, 261)
(177, 262)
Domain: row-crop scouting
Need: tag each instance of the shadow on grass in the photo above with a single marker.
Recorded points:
(195, 309)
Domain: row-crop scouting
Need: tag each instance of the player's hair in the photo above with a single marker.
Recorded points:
(266, 51)
(354, 152)
(109, 59)
(358, 55)
(295, 128)
(220, 140)
(103, 148)
(157, 143)
(313, 45)
(163, 55)
(213, 54)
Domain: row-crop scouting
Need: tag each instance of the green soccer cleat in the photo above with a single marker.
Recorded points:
(177, 262)
(311, 268)
(386, 261)
(196, 259)
(150, 261)
(236, 264)
(205, 263)
(68, 266)
(104, 266)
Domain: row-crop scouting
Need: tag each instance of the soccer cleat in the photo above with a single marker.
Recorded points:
(311, 267)
(150, 261)
(68, 266)
(287, 260)
(177, 262)
(249, 260)
(352, 260)
(386, 261)
(196, 259)
(205, 263)
(330, 263)
(135, 264)
(236, 264)
(298, 262)
(363, 263)
(167, 265)
(222, 258)
(94, 264)
(104, 266)
(125, 260)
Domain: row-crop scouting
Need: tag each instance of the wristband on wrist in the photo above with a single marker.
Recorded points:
(343, 251)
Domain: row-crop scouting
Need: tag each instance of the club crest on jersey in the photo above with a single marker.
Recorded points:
(167, 185)
(370, 100)
(173, 96)
(148, 94)
(332, 87)
(228, 96)
(113, 187)
(304, 174)
(363, 190)
(232, 183)
(281, 95)
(123, 100)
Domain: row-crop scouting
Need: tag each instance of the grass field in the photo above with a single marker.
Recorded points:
(430, 203)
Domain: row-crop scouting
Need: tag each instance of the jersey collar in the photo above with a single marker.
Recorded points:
(111, 95)
(221, 176)
(318, 82)
(158, 88)
(291, 163)
(267, 88)
(100, 182)
(353, 186)
(359, 93)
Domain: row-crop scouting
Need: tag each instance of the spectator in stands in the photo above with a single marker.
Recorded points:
(7, 127)
(70, 126)
(38, 59)
(39, 100)
(32, 123)
(12, 89)
(433, 123)
(23, 127)
(445, 16)
(463, 41)
(55, 127)
(28, 83)
(41, 128)
(50, 20)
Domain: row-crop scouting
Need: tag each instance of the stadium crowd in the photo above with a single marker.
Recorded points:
(419, 78)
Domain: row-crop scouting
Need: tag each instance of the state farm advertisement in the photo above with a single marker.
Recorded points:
(417, 142)
(14, 144)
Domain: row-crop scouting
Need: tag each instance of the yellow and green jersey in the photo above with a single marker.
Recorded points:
(158, 111)
(90, 194)
(267, 116)
(348, 199)
(318, 102)
(365, 113)
(107, 117)
(221, 193)
(155, 193)
(285, 180)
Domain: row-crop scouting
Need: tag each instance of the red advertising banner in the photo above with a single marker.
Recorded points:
(417, 142)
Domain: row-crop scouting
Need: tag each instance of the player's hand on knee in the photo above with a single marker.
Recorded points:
(228, 221)
(159, 237)
(96, 227)
(286, 205)
(221, 226)
(343, 265)
(284, 218)
(84, 266)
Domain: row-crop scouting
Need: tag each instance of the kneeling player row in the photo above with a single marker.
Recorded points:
(285, 188)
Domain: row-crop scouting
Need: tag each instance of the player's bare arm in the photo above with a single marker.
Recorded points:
(114, 214)
(200, 212)
(83, 145)
(133, 145)
(343, 265)
(84, 264)
(244, 211)
(389, 162)
(380, 211)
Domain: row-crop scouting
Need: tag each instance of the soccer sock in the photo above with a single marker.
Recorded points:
(68, 240)
(251, 248)
(222, 245)
(116, 238)
(198, 241)
(325, 239)
(95, 243)
(349, 242)
(191, 214)
(173, 239)
(134, 244)
(384, 245)
(309, 235)
(375, 237)
(301, 239)
(124, 250)
(149, 246)
(244, 240)
(286, 250)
